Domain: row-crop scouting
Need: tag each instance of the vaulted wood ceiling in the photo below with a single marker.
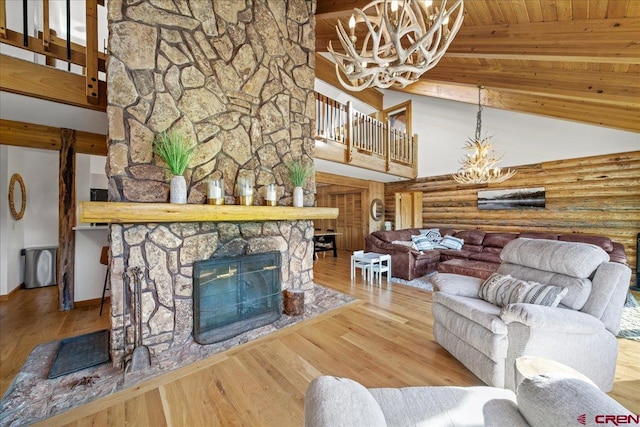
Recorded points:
(570, 59)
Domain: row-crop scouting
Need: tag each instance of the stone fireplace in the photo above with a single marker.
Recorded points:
(236, 78)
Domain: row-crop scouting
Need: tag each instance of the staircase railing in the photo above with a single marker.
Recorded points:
(342, 124)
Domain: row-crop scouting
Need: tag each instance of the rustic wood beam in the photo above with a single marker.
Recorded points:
(30, 135)
(607, 87)
(91, 70)
(326, 71)
(39, 81)
(589, 59)
(66, 220)
(57, 48)
(613, 116)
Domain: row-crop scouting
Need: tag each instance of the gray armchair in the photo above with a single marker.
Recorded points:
(580, 332)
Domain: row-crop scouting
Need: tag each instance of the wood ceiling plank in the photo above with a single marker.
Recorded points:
(534, 10)
(564, 11)
(549, 11)
(580, 9)
(520, 11)
(617, 8)
(338, 8)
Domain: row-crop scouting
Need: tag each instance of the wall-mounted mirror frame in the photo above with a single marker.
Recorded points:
(17, 214)
(377, 209)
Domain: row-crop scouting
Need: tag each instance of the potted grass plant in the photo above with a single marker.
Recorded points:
(176, 153)
(298, 174)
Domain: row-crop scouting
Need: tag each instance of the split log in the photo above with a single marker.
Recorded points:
(293, 301)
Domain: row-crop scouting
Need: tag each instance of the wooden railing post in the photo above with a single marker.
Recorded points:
(349, 131)
(46, 31)
(91, 52)
(388, 145)
(414, 161)
(3, 19)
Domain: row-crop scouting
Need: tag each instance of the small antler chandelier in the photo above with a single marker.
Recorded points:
(405, 39)
(480, 167)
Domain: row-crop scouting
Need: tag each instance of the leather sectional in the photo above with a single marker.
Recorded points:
(480, 254)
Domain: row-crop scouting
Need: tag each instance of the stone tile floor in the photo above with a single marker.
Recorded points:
(32, 397)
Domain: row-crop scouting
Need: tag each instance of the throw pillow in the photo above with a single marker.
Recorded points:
(422, 243)
(433, 234)
(451, 242)
(504, 290)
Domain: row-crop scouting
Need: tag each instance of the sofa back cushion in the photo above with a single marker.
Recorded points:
(390, 236)
(498, 240)
(578, 289)
(601, 241)
(573, 259)
(471, 237)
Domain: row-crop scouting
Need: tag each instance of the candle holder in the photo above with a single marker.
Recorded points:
(244, 189)
(215, 195)
(270, 195)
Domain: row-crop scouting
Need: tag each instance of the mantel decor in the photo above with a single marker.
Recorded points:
(404, 39)
(480, 167)
(172, 148)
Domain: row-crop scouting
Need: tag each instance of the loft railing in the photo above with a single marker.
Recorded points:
(46, 42)
(359, 132)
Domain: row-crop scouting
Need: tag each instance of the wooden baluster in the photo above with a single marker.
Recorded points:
(349, 132)
(91, 52)
(46, 31)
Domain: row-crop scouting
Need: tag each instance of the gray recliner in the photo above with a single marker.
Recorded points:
(580, 332)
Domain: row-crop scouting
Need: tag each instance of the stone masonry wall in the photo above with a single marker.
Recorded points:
(236, 78)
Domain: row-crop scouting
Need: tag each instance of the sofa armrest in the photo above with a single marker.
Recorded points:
(551, 319)
(331, 401)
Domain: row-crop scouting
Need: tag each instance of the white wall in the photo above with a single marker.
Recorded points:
(443, 127)
(40, 174)
(12, 236)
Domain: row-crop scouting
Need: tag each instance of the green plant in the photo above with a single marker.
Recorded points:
(299, 172)
(174, 150)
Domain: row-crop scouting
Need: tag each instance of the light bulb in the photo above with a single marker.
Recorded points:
(428, 3)
(445, 21)
(352, 22)
(394, 5)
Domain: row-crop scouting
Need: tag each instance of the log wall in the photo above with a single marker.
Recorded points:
(597, 195)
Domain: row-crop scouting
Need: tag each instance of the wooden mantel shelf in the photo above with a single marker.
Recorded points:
(130, 213)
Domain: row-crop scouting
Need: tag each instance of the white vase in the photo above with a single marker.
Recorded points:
(298, 197)
(178, 189)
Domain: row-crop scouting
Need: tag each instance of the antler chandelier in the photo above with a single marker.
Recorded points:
(480, 167)
(405, 39)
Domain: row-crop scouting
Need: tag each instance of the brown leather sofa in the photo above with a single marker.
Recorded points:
(480, 254)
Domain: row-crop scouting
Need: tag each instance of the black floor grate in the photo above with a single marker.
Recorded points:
(80, 352)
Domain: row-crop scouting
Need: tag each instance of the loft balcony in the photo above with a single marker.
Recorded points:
(344, 135)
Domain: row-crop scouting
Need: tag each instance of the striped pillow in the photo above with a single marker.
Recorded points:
(433, 234)
(422, 243)
(504, 290)
(450, 242)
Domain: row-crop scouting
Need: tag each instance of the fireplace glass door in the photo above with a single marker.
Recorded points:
(234, 295)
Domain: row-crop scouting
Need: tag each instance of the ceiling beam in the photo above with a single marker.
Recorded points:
(607, 87)
(613, 116)
(326, 71)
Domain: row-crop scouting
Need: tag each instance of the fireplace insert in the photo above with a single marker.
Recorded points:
(234, 295)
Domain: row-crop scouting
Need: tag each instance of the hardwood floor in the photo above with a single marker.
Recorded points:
(382, 340)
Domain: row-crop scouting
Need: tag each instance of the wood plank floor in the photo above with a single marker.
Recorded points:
(382, 340)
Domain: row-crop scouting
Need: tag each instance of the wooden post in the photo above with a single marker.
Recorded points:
(66, 219)
(46, 31)
(91, 53)
(3, 19)
(293, 302)
(349, 150)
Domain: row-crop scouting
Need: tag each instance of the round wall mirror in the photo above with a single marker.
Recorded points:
(377, 209)
(17, 193)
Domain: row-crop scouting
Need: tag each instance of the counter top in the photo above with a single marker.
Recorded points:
(90, 227)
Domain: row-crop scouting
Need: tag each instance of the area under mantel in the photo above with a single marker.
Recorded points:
(130, 213)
